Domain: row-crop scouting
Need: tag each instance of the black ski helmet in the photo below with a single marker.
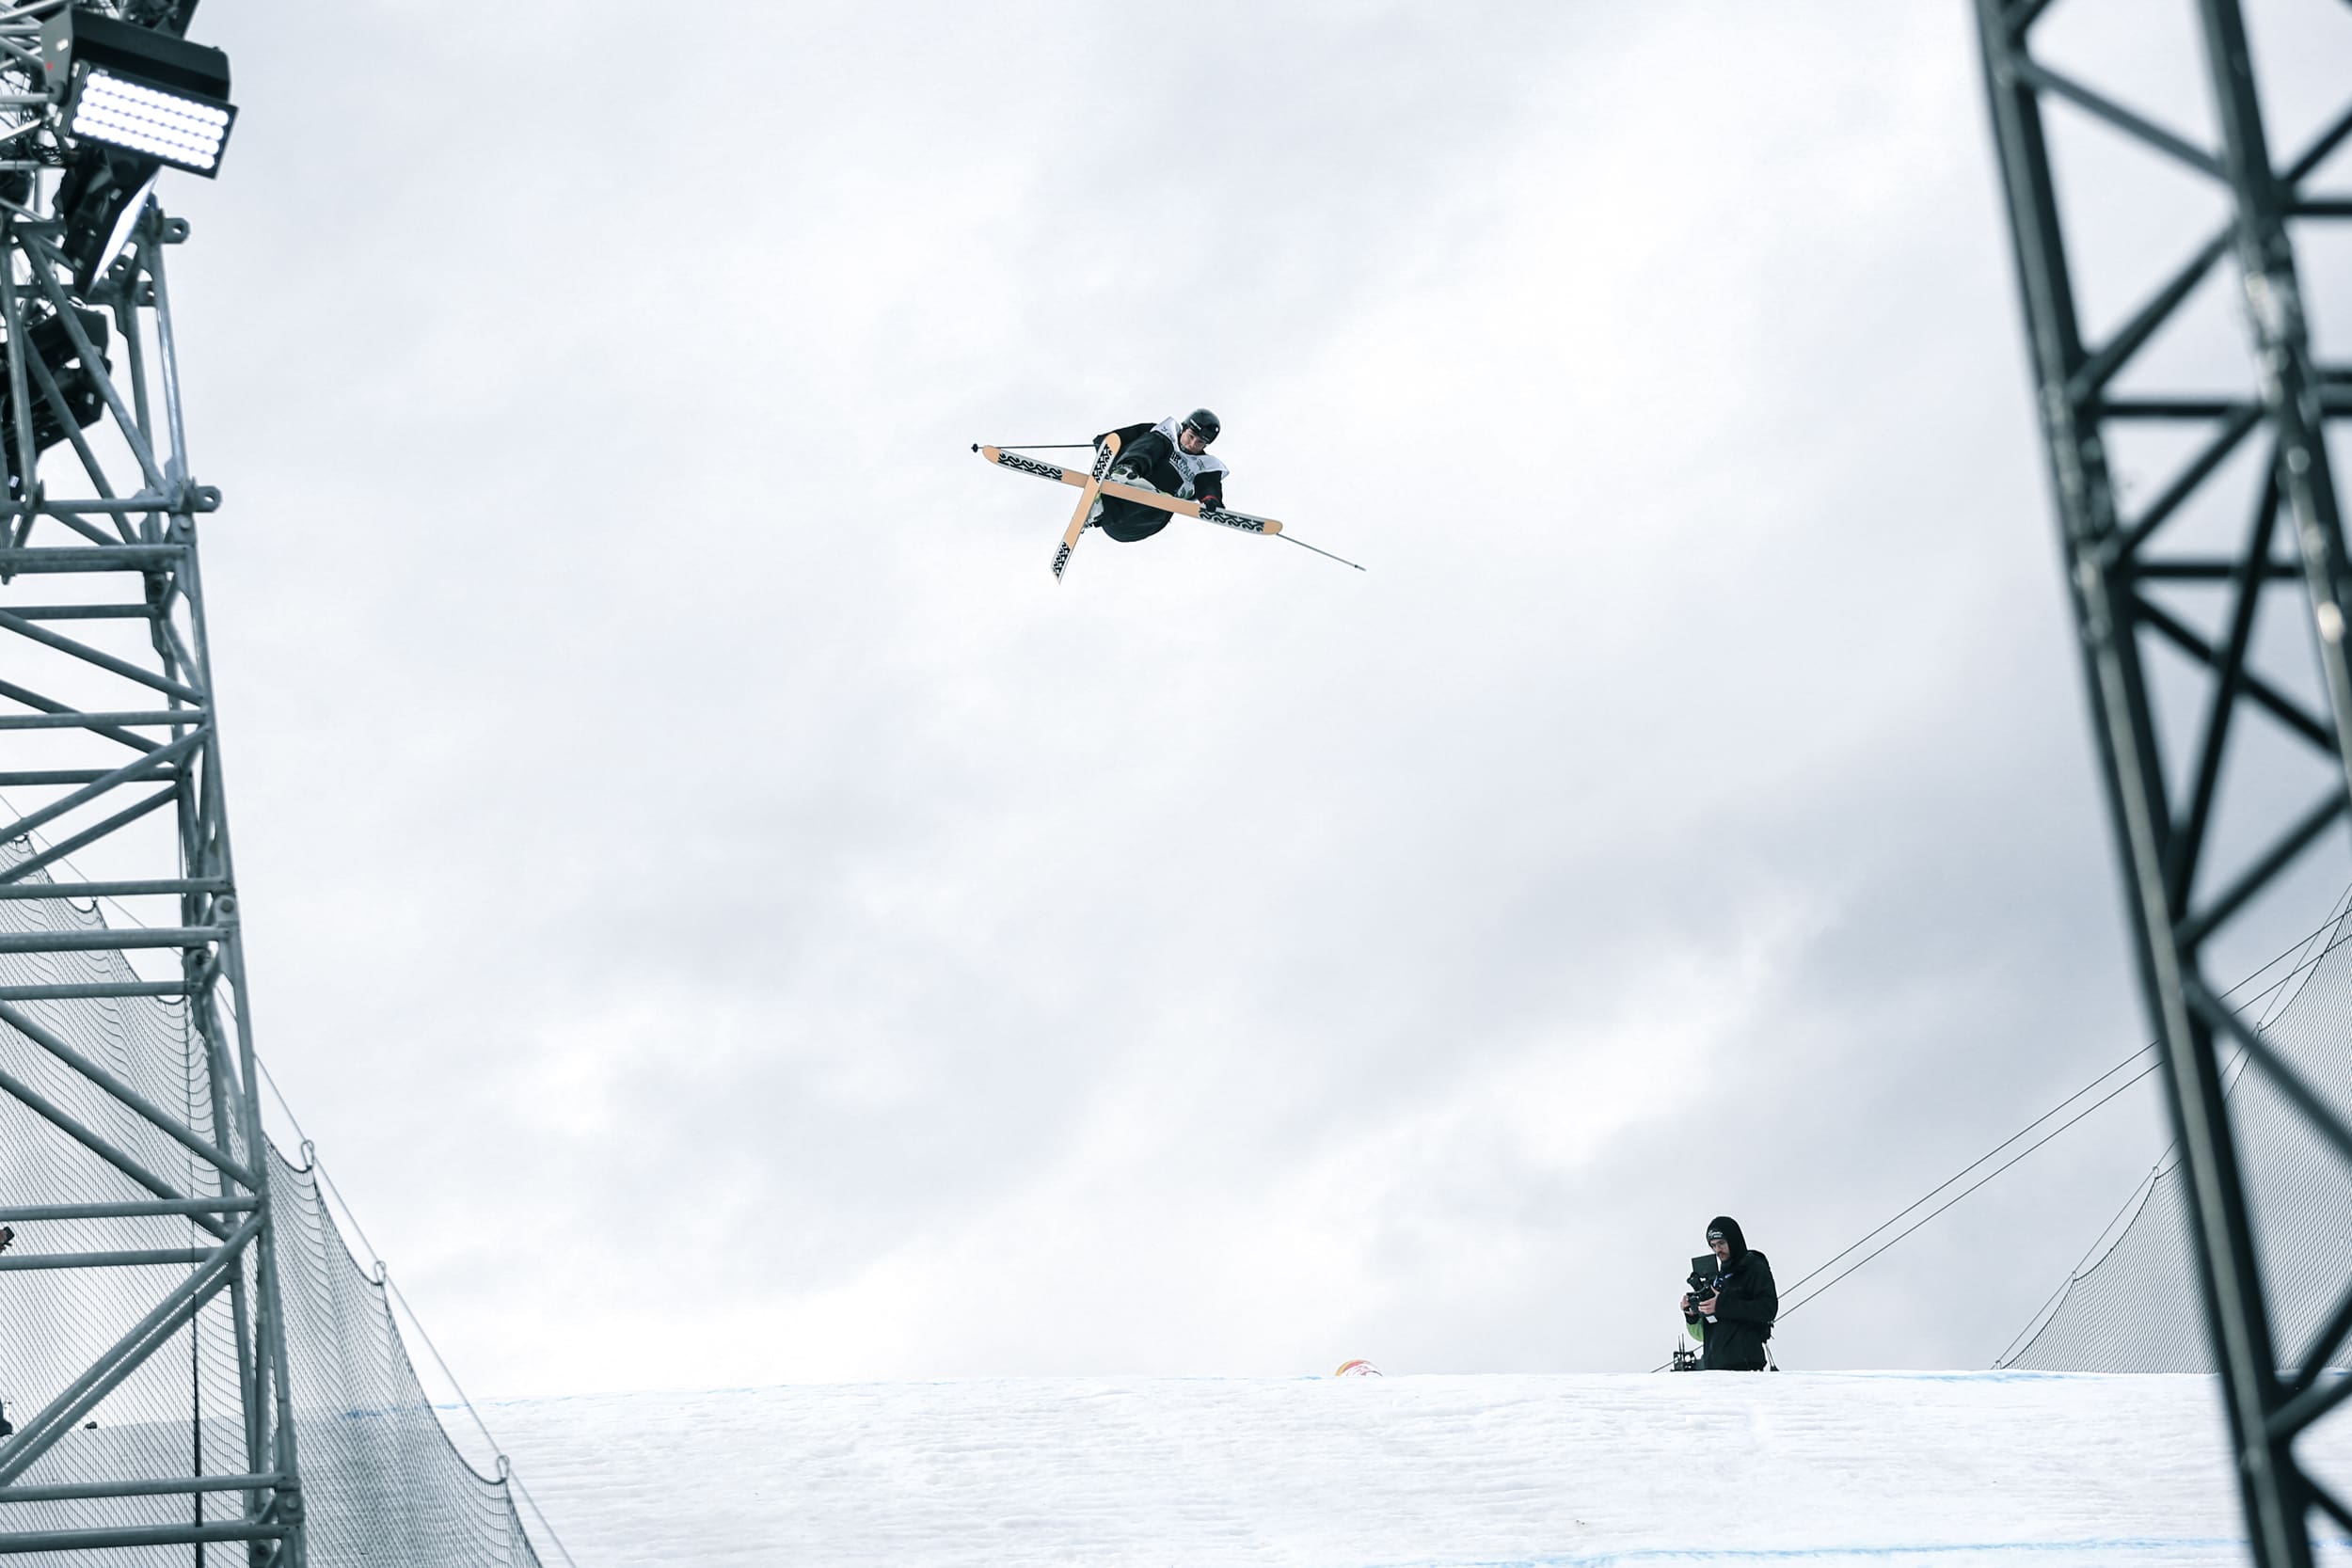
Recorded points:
(1205, 422)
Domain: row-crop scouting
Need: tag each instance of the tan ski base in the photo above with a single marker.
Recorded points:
(1242, 520)
(1102, 461)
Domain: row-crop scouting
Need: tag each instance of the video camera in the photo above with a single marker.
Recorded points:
(1700, 1284)
(1702, 1279)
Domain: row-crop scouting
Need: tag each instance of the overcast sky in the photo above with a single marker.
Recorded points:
(726, 916)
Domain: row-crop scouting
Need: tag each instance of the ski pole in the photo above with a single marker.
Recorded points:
(1035, 446)
(1326, 554)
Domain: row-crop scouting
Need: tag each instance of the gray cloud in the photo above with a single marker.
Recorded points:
(727, 916)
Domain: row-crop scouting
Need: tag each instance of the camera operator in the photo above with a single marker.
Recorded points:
(1739, 1304)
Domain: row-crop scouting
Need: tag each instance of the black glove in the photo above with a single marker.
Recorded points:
(1213, 504)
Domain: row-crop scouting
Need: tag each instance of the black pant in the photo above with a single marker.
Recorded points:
(1155, 460)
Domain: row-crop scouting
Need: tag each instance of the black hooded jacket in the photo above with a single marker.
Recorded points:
(1746, 1302)
(1149, 450)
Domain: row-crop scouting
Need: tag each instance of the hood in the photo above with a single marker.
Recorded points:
(1730, 1229)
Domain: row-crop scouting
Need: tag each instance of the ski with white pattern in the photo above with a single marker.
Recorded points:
(1104, 457)
(1243, 521)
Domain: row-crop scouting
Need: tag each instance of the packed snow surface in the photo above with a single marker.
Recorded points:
(1953, 1470)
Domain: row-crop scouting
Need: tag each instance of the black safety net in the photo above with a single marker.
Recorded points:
(382, 1481)
(2133, 1306)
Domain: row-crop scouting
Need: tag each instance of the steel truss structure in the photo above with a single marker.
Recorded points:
(100, 587)
(2179, 892)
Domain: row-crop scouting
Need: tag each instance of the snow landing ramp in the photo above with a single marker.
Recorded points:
(1953, 1470)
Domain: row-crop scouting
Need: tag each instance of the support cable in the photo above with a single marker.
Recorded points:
(2301, 965)
(326, 1183)
(1794, 1306)
(2112, 1232)
(2139, 1193)
(506, 1470)
(2304, 959)
(320, 1280)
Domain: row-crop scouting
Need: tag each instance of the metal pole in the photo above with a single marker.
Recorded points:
(153, 508)
(2162, 846)
(12, 316)
(2282, 338)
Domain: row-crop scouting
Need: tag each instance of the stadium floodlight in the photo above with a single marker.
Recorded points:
(141, 91)
(172, 128)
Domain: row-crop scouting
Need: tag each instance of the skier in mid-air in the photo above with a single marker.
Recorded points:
(1142, 475)
(1171, 457)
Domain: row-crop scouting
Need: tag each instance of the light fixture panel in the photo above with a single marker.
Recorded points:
(181, 129)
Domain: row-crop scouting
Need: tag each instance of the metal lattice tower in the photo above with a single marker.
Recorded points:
(2184, 884)
(105, 681)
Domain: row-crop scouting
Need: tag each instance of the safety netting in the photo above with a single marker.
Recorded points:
(382, 1482)
(2134, 1305)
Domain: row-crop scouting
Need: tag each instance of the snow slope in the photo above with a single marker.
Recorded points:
(1953, 1470)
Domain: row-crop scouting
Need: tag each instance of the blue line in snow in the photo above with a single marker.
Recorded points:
(1125, 1380)
(1801, 1554)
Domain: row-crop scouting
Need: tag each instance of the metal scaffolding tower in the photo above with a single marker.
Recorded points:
(105, 682)
(2182, 893)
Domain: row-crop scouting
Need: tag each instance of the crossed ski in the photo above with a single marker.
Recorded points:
(1086, 492)
(1094, 486)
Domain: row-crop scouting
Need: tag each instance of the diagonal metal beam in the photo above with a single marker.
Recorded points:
(2137, 127)
(91, 834)
(94, 470)
(130, 772)
(2284, 851)
(2322, 145)
(2189, 838)
(34, 632)
(2105, 365)
(2185, 484)
(123, 1358)
(55, 709)
(70, 1125)
(2315, 1401)
(126, 424)
(156, 1115)
(2294, 715)
(2282, 1075)
(2326, 1503)
(2321, 1350)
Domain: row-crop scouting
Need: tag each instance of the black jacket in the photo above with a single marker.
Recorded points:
(1746, 1302)
(1151, 452)
(1148, 451)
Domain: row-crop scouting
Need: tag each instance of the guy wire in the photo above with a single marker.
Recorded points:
(2299, 943)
